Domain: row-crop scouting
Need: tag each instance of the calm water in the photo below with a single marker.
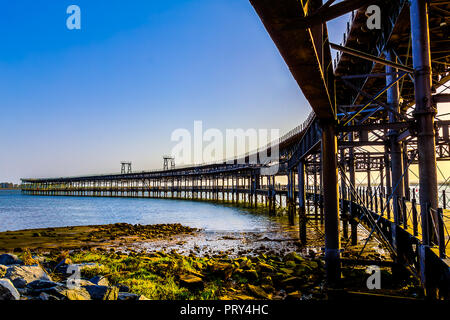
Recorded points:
(19, 211)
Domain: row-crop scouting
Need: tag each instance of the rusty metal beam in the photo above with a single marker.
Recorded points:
(305, 51)
(329, 12)
(370, 57)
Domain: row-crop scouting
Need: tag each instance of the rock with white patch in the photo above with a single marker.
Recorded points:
(8, 291)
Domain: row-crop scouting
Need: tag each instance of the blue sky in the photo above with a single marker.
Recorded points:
(80, 101)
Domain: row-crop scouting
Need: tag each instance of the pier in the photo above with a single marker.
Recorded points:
(374, 117)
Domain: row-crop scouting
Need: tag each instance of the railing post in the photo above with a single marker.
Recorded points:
(414, 216)
(376, 201)
(405, 213)
(344, 213)
(388, 183)
(352, 178)
(316, 209)
(441, 234)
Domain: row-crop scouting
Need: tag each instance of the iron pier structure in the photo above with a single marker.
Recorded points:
(375, 121)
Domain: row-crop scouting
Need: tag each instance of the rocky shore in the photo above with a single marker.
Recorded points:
(110, 275)
(104, 263)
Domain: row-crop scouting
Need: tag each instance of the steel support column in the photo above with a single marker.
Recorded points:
(301, 202)
(353, 198)
(395, 146)
(424, 113)
(331, 201)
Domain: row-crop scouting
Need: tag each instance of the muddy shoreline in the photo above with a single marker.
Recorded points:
(77, 237)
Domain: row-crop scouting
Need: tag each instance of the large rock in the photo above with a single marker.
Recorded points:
(264, 267)
(190, 281)
(38, 285)
(250, 274)
(8, 291)
(123, 288)
(310, 265)
(126, 296)
(294, 256)
(292, 281)
(47, 297)
(71, 294)
(259, 292)
(102, 292)
(9, 259)
(222, 269)
(23, 275)
(100, 280)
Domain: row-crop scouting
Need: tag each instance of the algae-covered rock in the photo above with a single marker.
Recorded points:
(300, 268)
(291, 281)
(267, 280)
(242, 297)
(74, 294)
(290, 264)
(268, 288)
(259, 292)
(191, 281)
(294, 256)
(264, 267)
(286, 270)
(310, 265)
(245, 264)
(222, 269)
(294, 295)
(251, 274)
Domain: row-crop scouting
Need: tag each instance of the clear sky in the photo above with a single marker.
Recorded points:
(80, 101)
